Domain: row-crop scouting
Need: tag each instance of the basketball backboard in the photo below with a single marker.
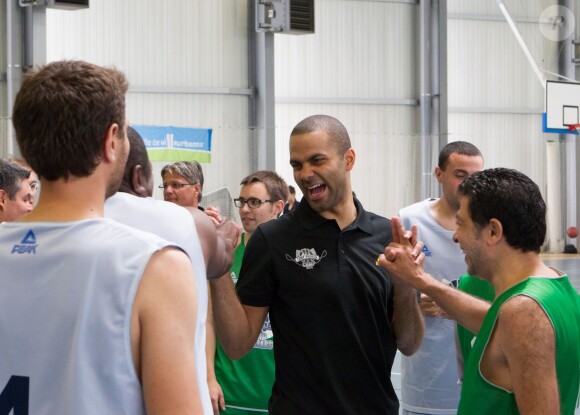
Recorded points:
(562, 108)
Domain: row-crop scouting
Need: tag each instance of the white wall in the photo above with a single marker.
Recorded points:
(361, 66)
(495, 99)
(4, 122)
(187, 50)
(364, 53)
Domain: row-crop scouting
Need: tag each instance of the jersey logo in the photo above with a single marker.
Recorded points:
(306, 257)
(426, 251)
(15, 396)
(27, 245)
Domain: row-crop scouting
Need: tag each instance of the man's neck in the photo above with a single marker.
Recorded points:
(65, 201)
(516, 266)
(443, 214)
(344, 215)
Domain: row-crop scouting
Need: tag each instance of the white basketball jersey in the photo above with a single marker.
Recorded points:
(429, 377)
(66, 297)
(174, 223)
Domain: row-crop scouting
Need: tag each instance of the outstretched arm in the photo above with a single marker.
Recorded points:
(218, 242)
(403, 264)
(237, 326)
(163, 334)
(408, 323)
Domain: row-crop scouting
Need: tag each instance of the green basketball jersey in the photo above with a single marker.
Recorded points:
(247, 382)
(561, 303)
(478, 288)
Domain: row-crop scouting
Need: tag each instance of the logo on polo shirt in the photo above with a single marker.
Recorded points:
(306, 257)
(426, 251)
(27, 245)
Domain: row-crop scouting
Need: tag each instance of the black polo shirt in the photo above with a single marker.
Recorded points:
(329, 309)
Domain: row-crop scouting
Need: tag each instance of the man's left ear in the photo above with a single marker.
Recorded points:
(495, 230)
(111, 142)
(138, 179)
(3, 198)
(278, 207)
(349, 158)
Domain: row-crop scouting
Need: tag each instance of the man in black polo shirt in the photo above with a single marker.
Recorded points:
(337, 317)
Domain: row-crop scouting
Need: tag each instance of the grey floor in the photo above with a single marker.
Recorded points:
(569, 263)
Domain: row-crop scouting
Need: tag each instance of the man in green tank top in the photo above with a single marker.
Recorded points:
(526, 355)
(244, 386)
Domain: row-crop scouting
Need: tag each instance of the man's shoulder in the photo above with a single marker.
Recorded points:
(165, 219)
(122, 229)
(93, 233)
(374, 216)
(126, 207)
(280, 224)
(122, 200)
(415, 209)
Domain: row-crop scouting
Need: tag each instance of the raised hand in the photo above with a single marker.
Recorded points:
(403, 258)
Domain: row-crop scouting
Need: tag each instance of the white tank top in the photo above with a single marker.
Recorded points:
(429, 377)
(66, 296)
(174, 223)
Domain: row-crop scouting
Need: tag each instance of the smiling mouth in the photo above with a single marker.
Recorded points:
(314, 192)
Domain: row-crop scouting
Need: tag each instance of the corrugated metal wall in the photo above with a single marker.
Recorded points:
(3, 62)
(5, 125)
(495, 99)
(360, 67)
(178, 56)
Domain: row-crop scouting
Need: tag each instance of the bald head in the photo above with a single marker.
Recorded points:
(138, 177)
(336, 131)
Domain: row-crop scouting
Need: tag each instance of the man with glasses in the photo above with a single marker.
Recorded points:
(246, 384)
(183, 183)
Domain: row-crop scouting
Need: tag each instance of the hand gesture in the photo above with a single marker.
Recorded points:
(403, 258)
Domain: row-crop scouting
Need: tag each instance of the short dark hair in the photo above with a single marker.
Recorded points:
(291, 190)
(62, 113)
(189, 170)
(459, 147)
(335, 129)
(11, 177)
(137, 155)
(275, 185)
(513, 199)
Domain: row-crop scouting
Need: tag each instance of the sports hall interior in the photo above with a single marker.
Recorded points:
(404, 76)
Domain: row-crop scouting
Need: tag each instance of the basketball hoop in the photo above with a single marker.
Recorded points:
(574, 128)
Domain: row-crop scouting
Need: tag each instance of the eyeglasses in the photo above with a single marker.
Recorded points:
(252, 202)
(176, 186)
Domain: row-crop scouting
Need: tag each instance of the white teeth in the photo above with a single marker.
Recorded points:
(314, 187)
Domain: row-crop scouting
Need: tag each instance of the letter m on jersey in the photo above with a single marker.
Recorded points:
(14, 396)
